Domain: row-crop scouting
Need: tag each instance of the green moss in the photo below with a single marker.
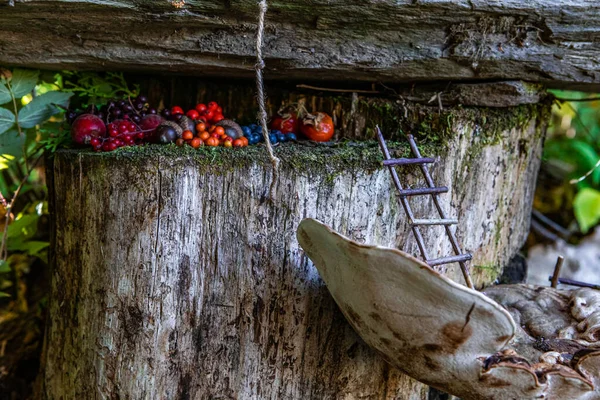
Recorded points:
(302, 158)
(486, 273)
(429, 125)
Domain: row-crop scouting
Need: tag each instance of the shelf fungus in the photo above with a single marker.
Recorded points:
(511, 342)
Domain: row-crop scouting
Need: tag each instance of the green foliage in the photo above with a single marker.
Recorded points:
(571, 156)
(94, 88)
(587, 208)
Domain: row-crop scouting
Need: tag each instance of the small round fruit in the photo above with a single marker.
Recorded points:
(196, 142)
(201, 127)
(192, 114)
(238, 143)
(213, 105)
(247, 131)
(176, 110)
(204, 136)
(201, 108)
(228, 143)
(86, 127)
(291, 136)
(187, 135)
(218, 117)
(272, 138)
(212, 141)
(150, 122)
(166, 134)
(244, 141)
(231, 128)
(281, 137)
(219, 130)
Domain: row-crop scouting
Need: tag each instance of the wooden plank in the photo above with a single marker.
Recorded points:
(385, 40)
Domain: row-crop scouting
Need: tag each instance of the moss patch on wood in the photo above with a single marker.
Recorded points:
(430, 125)
(302, 158)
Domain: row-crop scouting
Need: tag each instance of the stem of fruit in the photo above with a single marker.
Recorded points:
(262, 115)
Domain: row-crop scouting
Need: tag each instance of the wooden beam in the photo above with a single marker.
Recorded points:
(551, 41)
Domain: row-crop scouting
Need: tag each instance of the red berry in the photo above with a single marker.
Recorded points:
(113, 133)
(131, 127)
(212, 105)
(95, 142)
(112, 146)
(192, 114)
(111, 126)
(140, 135)
(209, 115)
(219, 110)
(217, 118)
(123, 127)
(176, 110)
(106, 147)
(86, 127)
(200, 108)
(118, 143)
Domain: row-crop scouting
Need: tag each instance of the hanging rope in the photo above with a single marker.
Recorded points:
(262, 113)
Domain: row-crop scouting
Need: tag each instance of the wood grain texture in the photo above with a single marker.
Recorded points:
(176, 278)
(376, 40)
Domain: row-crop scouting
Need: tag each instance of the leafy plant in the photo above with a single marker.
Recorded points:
(572, 157)
(28, 107)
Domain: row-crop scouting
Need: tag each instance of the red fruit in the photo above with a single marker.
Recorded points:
(176, 110)
(113, 133)
(123, 127)
(95, 142)
(213, 105)
(150, 122)
(131, 127)
(200, 108)
(209, 115)
(238, 143)
(86, 127)
(318, 127)
(219, 110)
(286, 123)
(217, 118)
(192, 114)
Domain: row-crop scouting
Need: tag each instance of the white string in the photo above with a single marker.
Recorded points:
(262, 113)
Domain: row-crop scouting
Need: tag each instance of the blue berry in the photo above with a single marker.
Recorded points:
(247, 131)
(252, 126)
(281, 137)
(258, 129)
(273, 138)
(291, 136)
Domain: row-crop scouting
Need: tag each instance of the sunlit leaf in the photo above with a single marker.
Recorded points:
(4, 267)
(23, 81)
(43, 107)
(24, 227)
(587, 208)
(7, 120)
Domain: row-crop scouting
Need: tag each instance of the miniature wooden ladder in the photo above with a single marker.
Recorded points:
(432, 190)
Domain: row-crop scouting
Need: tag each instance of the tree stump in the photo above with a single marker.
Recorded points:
(176, 277)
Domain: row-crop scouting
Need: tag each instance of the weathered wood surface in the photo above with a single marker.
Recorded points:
(175, 277)
(383, 40)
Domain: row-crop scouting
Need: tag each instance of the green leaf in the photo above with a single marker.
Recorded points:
(7, 120)
(12, 143)
(587, 208)
(23, 81)
(4, 267)
(4, 94)
(24, 227)
(4, 294)
(32, 247)
(42, 107)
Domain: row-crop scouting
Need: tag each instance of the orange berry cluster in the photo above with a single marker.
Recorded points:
(214, 137)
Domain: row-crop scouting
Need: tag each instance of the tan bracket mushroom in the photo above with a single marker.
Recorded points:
(457, 339)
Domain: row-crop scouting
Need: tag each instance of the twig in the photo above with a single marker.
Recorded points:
(3, 247)
(574, 181)
(566, 281)
(302, 86)
(557, 268)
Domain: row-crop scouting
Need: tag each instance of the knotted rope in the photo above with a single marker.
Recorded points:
(262, 113)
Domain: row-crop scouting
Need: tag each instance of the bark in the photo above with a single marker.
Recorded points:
(550, 41)
(176, 277)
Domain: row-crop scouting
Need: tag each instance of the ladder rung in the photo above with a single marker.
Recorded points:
(450, 259)
(408, 161)
(435, 221)
(420, 191)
